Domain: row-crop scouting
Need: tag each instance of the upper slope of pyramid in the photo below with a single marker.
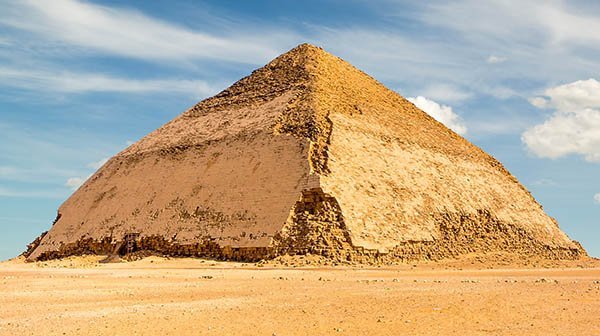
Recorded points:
(310, 82)
(241, 108)
(313, 82)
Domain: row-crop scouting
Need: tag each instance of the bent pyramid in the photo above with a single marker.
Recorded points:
(305, 155)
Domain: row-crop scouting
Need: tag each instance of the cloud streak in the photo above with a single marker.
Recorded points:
(550, 21)
(71, 82)
(446, 93)
(536, 36)
(75, 182)
(97, 164)
(130, 33)
(493, 59)
(6, 192)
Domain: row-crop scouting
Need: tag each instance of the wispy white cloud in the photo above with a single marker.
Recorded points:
(565, 25)
(70, 82)
(441, 113)
(536, 36)
(446, 93)
(15, 173)
(97, 164)
(597, 198)
(539, 102)
(573, 128)
(544, 182)
(500, 91)
(130, 33)
(493, 59)
(6, 192)
(552, 21)
(75, 182)
(420, 60)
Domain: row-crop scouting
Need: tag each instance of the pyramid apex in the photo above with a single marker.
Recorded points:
(306, 45)
(305, 49)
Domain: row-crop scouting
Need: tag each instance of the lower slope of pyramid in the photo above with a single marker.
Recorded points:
(306, 155)
(234, 192)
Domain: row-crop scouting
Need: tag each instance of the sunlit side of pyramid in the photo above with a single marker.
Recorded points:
(305, 155)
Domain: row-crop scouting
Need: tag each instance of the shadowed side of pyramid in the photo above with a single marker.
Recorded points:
(305, 155)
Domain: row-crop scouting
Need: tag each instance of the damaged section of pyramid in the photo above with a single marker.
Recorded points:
(305, 155)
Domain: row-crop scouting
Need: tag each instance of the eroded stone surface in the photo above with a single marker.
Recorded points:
(305, 155)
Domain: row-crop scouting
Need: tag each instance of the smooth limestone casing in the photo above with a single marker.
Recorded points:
(394, 169)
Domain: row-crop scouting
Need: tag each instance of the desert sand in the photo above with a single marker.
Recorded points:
(158, 296)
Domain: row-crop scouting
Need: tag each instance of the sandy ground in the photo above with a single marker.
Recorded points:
(156, 296)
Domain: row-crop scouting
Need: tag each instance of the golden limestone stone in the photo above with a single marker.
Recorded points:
(305, 155)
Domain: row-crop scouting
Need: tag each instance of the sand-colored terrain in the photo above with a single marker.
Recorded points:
(156, 296)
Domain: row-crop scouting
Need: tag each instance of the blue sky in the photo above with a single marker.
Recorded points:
(80, 80)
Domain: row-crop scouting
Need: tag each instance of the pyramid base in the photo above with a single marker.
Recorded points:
(404, 253)
(316, 227)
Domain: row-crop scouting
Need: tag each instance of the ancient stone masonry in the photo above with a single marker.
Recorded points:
(157, 245)
(315, 226)
(305, 155)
